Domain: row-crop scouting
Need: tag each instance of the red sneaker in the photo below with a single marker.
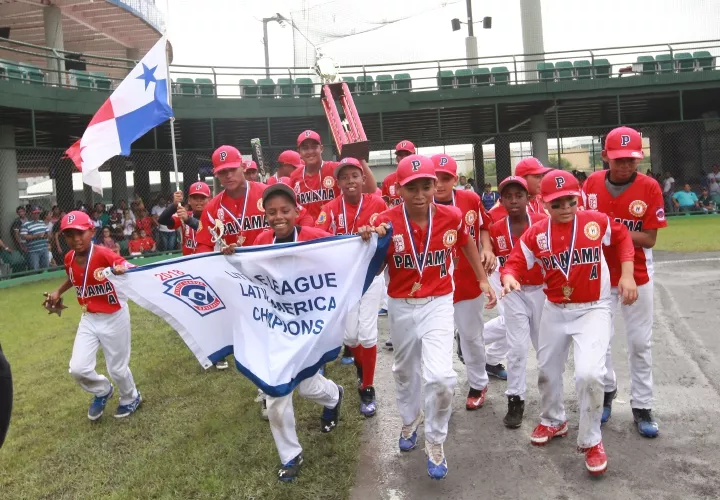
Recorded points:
(595, 459)
(475, 399)
(544, 433)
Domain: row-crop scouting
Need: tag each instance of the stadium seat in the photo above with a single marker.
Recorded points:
(583, 69)
(267, 87)
(384, 83)
(350, 80)
(186, 86)
(446, 79)
(205, 86)
(603, 68)
(704, 61)
(248, 88)
(564, 70)
(500, 75)
(102, 82)
(684, 61)
(665, 63)
(403, 82)
(365, 84)
(81, 79)
(286, 87)
(546, 71)
(463, 77)
(33, 74)
(645, 65)
(305, 86)
(481, 76)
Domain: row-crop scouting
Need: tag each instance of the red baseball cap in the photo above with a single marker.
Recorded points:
(308, 135)
(346, 162)
(445, 163)
(250, 165)
(513, 179)
(415, 167)
(226, 157)
(199, 188)
(77, 220)
(558, 183)
(286, 180)
(624, 142)
(291, 157)
(530, 166)
(405, 146)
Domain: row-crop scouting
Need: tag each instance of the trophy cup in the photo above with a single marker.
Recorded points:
(347, 132)
(216, 234)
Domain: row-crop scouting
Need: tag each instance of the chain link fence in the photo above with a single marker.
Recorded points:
(39, 186)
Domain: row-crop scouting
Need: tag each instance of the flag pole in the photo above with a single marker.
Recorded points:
(169, 91)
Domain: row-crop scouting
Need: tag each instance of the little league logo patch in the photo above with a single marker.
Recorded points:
(502, 243)
(450, 238)
(322, 218)
(221, 214)
(328, 182)
(638, 208)
(592, 201)
(195, 293)
(260, 205)
(399, 243)
(542, 242)
(98, 274)
(592, 230)
(470, 217)
(660, 214)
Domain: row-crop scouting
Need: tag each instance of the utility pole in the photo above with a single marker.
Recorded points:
(471, 48)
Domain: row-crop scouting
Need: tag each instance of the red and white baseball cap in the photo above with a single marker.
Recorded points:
(226, 157)
(559, 183)
(445, 163)
(77, 220)
(346, 162)
(513, 179)
(530, 166)
(308, 135)
(624, 142)
(291, 157)
(415, 167)
(250, 165)
(199, 188)
(405, 146)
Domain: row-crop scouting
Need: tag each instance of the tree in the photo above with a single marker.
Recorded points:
(563, 165)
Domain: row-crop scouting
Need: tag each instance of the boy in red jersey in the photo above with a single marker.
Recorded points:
(251, 171)
(635, 200)
(421, 304)
(105, 321)
(532, 171)
(569, 247)
(288, 162)
(521, 311)
(175, 216)
(346, 215)
(389, 185)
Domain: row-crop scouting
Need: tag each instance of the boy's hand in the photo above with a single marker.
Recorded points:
(229, 249)
(489, 293)
(177, 197)
(119, 269)
(182, 213)
(627, 289)
(510, 284)
(487, 258)
(53, 303)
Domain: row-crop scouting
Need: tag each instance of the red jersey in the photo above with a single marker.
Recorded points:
(243, 218)
(433, 245)
(571, 256)
(639, 207)
(273, 179)
(389, 190)
(475, 218)
(313, 191)
(341, 217)
(503, 243)
(141, 245)
(534, 206)
(94, 290)
(188, 235)
(146, 224)
(302, 233)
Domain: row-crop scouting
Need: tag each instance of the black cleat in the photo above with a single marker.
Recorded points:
(289, 471)
(516, 409)
(331, 416)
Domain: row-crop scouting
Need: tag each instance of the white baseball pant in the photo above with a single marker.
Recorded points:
(112, 333)
(317, 389)
(522, 312)
(361, 325)
(469, 323)
(422, 334)
(587, 327)
(384, 298)
(638, 330)
(495, 332)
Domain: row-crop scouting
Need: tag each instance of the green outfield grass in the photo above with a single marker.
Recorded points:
(690, 233)
(197, 434)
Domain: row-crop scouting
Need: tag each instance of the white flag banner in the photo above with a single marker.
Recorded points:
(279, 309)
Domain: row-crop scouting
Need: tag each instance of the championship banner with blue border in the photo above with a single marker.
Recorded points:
(279, 309)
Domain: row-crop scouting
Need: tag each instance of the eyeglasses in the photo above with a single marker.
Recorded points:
(555, 206)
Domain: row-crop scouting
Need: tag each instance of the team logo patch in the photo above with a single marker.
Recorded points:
(542, 242)
(373, 218)
(502, 243)
(71, 218)
(415, 165)
(341, 220)
(592, 201)
(592, 230)
(660, 214)
(260, 205)
(328, 182)
(470, 217)
(450, 238)
(638, 208)
(559, 182)
(624, 140)
(195, 293)
(98, 274)
(223, 155)
(221, 214)
(399, 243)
(322, 218)
(187, 230)
(392, 190)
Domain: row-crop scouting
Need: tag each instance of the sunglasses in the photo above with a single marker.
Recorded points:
(555, 206)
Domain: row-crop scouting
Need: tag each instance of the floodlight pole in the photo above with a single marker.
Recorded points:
(276, 18)
(471, 47)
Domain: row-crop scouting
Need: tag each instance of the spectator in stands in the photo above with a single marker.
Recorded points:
(17, 226)
(127, 223)
(143, 221)
(489, 197)
(705, 201)
(35, 234)
(581, 177)
(107, 241)
(471, 183)
(714, 187)
(101, 214)
(686, 200)
(55, 214)
(140, 243)
(58, 245)
(115, 224)
(714, 175)
(668, 187)
(167, 236)
(462, 180)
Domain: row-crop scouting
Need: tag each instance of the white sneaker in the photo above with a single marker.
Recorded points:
(264, 411)
(260, 396)
(222, 365)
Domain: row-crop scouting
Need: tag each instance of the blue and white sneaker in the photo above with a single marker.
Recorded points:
(436, 462)
(408, 434)
(128, 409)
(368, 405)
(646, 425)
(347, 357)
(289, 471)
(497, 371)
(97, 406)
(321, 371)
(330, 417)
(607, 406)
(382, 312)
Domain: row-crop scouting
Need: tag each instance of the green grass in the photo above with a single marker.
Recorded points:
(197, 434)
(690, 233)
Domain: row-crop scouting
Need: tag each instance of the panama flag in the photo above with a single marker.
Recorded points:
(140, 103)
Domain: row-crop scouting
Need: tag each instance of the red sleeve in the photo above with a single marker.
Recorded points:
(304, 217)
(655, 215)
(202, 235)
(385, 189)
(264, 238)
(621, 240)
(323, 220)
(113, 259)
